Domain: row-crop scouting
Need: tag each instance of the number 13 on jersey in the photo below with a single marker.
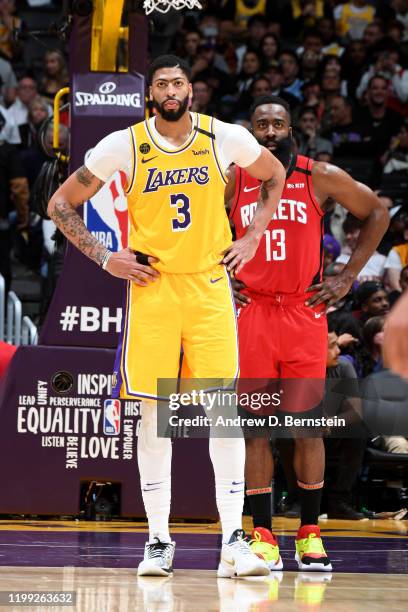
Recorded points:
(277, 237)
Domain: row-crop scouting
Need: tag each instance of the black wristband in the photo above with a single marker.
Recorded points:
(142, 258)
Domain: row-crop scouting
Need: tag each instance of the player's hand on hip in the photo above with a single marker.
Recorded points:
(123, 264)
(241, 300)
(239, 253)
(330, 291)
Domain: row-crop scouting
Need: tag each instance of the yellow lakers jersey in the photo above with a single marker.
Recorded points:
(176, 200)
(353, 22)
(244, 12)
(297, 9)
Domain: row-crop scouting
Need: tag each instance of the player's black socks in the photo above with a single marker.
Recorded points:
(260, 506)
(310, 496)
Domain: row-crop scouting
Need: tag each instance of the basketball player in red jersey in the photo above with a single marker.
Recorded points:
(282, 325)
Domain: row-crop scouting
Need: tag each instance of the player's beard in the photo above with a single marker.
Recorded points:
(171, 115)
(284, 149)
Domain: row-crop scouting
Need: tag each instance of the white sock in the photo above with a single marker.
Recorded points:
(154, 460)
(228, 459)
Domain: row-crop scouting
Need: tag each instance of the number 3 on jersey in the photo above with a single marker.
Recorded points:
(183, 219)
(277, 236)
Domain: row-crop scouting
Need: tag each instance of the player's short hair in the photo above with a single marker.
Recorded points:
(168, 61)
(269, 100)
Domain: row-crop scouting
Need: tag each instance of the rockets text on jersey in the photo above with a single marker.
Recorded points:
(289, 257)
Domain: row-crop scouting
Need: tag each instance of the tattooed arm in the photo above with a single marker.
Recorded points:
(77, 189)
(268, 169)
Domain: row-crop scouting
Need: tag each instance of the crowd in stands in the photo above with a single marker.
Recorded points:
(28, 84)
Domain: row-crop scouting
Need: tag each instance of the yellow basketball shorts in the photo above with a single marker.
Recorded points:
(192, 313)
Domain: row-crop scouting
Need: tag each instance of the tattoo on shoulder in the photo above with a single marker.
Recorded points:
(84, 176)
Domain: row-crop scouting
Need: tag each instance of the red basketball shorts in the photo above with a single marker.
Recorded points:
(282, 339)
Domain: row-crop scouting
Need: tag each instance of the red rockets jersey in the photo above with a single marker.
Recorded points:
(289, 257)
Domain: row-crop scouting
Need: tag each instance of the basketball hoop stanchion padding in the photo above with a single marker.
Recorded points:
(57, 425)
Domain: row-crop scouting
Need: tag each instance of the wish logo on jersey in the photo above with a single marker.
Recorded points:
(106, 215)
(111, 417)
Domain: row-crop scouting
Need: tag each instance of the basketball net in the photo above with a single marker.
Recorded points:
(165, 5)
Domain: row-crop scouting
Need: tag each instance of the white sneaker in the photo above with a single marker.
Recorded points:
(158, 559)
(237, 559)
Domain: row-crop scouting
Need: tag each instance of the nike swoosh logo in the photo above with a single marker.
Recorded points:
(215, 280)
(228, 561)
(237, 491)
(148, 490)
(144, 160)
(237, 483)
(152, 484)
(246, 189)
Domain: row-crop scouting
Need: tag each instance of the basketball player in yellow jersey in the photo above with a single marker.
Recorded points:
(178, 293)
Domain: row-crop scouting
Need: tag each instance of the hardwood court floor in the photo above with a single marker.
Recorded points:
(98, 561)
(119, 590)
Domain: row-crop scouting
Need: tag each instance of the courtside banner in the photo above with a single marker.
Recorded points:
(60, 427)
(273, 408)
(86, 309)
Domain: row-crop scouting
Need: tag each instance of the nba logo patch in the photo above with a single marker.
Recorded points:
(111, 417)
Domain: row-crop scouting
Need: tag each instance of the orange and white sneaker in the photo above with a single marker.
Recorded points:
(265, 545)
(310, 553)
